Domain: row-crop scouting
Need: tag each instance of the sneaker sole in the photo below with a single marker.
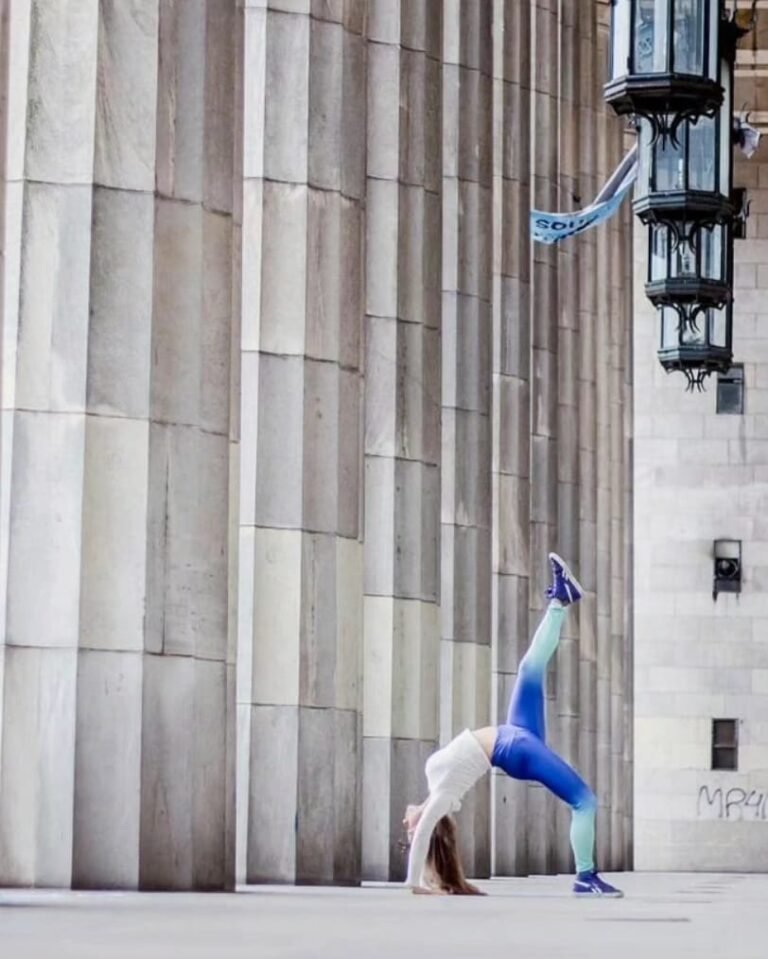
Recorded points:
(598, 895)
(567, 571)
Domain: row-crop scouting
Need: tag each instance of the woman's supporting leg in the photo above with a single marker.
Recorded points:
(526, 705)
(542, 765)
(583, 832)
(532, 759)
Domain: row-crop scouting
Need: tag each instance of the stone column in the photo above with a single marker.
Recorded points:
(12, 112)
(590, 98)
(466, 420)
(188, 691)
(568, 335)
(48, 195)
(602, 361)
(511, 404)
(300, 546)
(402, 419)
(621, 227)
(544, 372)
(118, 695)
(629, 577)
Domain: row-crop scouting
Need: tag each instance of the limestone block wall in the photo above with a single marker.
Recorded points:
(700, 476)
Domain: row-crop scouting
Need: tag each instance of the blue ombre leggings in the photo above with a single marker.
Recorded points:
(521, 749)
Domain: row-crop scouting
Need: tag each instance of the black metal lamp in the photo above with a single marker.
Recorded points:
(665, 61)
(696, 342)
(690, 268)
(687, 179)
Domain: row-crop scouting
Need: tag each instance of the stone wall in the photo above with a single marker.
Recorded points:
(700, 476)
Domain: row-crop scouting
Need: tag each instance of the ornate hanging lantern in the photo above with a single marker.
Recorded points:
(686, 181)
(672, 67)
(690, 269)
(696, 345)
(665, 61)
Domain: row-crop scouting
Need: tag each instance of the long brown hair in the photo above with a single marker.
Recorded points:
(444, 863)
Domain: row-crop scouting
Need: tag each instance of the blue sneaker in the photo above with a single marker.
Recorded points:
(590, 884)
(565, 587)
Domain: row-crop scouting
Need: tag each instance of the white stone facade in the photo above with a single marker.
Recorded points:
(701, 476)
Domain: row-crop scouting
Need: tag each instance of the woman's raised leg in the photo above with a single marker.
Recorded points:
(526, 705)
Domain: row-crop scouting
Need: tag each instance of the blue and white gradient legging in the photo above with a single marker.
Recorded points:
(521, 749)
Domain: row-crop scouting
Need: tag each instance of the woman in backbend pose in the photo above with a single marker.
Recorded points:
(519, 748)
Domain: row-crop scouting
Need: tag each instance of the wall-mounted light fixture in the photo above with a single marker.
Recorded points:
(672, 70)
(727, 578)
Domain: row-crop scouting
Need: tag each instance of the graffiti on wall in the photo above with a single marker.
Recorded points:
(734, 804)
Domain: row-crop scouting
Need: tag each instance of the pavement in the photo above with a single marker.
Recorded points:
(664, 916)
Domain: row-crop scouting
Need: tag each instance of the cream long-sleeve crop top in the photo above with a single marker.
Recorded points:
(451, 772)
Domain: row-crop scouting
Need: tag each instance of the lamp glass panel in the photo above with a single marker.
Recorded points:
(688, 36)
(718, 327)
(650, 36)
(711, 246)
(726, 135)
(670, 328)
(659, 252)
(702, 154)
(669, 166)
(621, 25)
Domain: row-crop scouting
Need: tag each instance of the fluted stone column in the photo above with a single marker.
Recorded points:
(402, 419)
(12, 119)
(568, 335)
(118, 687)
(602, 361)
(300, 546)
(621, 228)
(629, 585)
(544, 379)
(590, 97)
(466, 416)
(511, 404)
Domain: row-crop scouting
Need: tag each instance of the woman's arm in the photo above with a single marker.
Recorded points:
(437, 807)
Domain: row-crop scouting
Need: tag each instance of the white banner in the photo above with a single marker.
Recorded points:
(553, 227)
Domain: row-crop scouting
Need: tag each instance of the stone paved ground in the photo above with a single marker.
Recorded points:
(663, 917)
